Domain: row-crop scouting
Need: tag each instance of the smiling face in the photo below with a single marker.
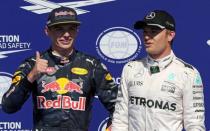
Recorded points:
(63, 37)
(157, 41)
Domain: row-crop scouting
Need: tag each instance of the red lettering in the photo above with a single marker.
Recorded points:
(40, 102)
(64, 102)
(57, 103)
(62, 13)
(48, 104)
(74, 105)
(82, 101)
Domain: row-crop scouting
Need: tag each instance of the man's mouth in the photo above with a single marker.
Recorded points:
(65, 41)
(147, 45)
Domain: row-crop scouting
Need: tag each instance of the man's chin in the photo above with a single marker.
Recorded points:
(149, 50)
(63, 48)
(65, 45)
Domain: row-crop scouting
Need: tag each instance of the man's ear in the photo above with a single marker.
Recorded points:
(47, 31)
(171, 35)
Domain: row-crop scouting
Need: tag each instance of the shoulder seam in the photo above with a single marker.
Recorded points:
(185, 64)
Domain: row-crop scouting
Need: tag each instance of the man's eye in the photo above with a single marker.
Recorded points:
(58, 29)
(145, 32)
(72, 28)
(154, 31)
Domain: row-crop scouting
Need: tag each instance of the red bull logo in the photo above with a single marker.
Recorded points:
(61, 86)
(64, 102)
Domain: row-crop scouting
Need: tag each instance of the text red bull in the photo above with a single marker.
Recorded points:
(64, 102)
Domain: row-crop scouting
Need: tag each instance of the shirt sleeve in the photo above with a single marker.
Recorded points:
(19, 90)
(193, 102)
(120, 117)
(106, 88)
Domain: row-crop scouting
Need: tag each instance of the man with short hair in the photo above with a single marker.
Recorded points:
(62, 80)
(159, 92)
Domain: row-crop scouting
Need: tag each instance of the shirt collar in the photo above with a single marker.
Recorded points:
(59, 60)
(161, 63)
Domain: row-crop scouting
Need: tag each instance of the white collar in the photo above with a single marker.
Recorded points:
(161, 63)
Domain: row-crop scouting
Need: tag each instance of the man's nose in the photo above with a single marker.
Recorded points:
(146, 36)
(66, 33)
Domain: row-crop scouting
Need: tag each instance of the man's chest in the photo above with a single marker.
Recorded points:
(163, 85)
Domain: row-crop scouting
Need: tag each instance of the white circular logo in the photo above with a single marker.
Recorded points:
(118, 45)
(102, 126)
(151, 15)
(208, 42)
(5, 80)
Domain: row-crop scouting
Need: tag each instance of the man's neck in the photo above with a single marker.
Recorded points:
(62, 53)
(160, 56)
